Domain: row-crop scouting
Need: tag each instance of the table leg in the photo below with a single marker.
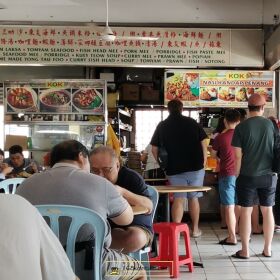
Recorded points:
(167, 207)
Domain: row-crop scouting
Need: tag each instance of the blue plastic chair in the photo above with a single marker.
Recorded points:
(10, 185)
(79, 216)
(143, 254)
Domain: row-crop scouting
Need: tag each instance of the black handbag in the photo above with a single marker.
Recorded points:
(162, 158)
(162, 153)
(276, 151)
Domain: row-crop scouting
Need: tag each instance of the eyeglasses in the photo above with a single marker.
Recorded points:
(103, 170)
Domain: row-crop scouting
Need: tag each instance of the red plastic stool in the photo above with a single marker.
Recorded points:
(168, 255)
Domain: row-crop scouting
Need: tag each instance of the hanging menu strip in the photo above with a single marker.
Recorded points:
(83, 46)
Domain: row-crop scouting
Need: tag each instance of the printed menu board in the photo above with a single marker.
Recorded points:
(218, 88)
(55, 96)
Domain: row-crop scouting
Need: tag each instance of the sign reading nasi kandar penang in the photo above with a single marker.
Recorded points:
(218, 88)
(175, 47)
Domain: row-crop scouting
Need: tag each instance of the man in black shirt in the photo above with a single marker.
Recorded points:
(104, 162)
(185, 143)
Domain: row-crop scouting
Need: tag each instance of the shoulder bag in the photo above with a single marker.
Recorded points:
(162, 153)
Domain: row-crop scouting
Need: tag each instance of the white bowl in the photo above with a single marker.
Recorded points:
(21, 98)
(57, 98)
(87, 107)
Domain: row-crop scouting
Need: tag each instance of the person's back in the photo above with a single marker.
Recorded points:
(253, 143)
(226, 152)
(28, 248)
(182, 140)
(256, 134)
(65, 184)
(223, 150)
(185, 143)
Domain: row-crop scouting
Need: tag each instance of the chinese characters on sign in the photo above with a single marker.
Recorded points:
(82, 46)
(218, 88)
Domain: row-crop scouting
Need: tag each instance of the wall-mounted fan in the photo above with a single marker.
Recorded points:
(108, 35)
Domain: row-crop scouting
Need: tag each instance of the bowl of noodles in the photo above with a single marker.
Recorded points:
(55, 98)
(21, 98)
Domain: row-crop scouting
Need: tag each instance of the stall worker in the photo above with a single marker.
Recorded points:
(104, 162)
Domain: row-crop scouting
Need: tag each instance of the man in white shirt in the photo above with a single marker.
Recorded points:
(28, 247)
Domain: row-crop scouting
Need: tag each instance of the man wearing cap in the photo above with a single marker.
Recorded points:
(253, 143)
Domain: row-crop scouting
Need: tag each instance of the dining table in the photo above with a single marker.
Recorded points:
(165, 190)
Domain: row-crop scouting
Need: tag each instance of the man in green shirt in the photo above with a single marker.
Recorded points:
(253, 141)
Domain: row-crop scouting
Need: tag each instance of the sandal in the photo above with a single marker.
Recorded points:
(197, 234)
(267, 256)
(225, 242)
(238, 256)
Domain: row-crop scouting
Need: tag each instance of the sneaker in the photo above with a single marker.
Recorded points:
(197, 234)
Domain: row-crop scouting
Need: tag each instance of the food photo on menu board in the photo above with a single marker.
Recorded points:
(226, 93)
(55, 100)
(21, 99)
(87, 100)
(184, 86)
(208, 94)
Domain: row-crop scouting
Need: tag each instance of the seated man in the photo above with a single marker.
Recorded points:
(29, 248)
(22, 167)
(69, 182)
(131, 186)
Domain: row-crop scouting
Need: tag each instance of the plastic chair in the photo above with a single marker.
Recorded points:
(143, 254)
(169, 248)
(10, 185)
(79, 216)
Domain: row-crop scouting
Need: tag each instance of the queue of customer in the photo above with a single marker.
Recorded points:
(245, 151)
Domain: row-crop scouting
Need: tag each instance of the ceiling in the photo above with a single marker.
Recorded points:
(248, 13)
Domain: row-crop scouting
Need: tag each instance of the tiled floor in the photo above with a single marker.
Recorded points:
(217, 261)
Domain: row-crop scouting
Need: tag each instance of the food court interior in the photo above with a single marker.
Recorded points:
(160, 47)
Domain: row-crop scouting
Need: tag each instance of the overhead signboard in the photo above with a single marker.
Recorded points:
(218, 88)
(133, 46)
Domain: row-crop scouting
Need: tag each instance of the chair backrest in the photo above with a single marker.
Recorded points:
(79, 216)
(154, 197)
(10, 185)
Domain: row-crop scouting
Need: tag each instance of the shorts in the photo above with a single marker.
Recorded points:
(147, 232)
(119, 266)
(227, 190)
(263, 187)
(149, 235)
(192, 178)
